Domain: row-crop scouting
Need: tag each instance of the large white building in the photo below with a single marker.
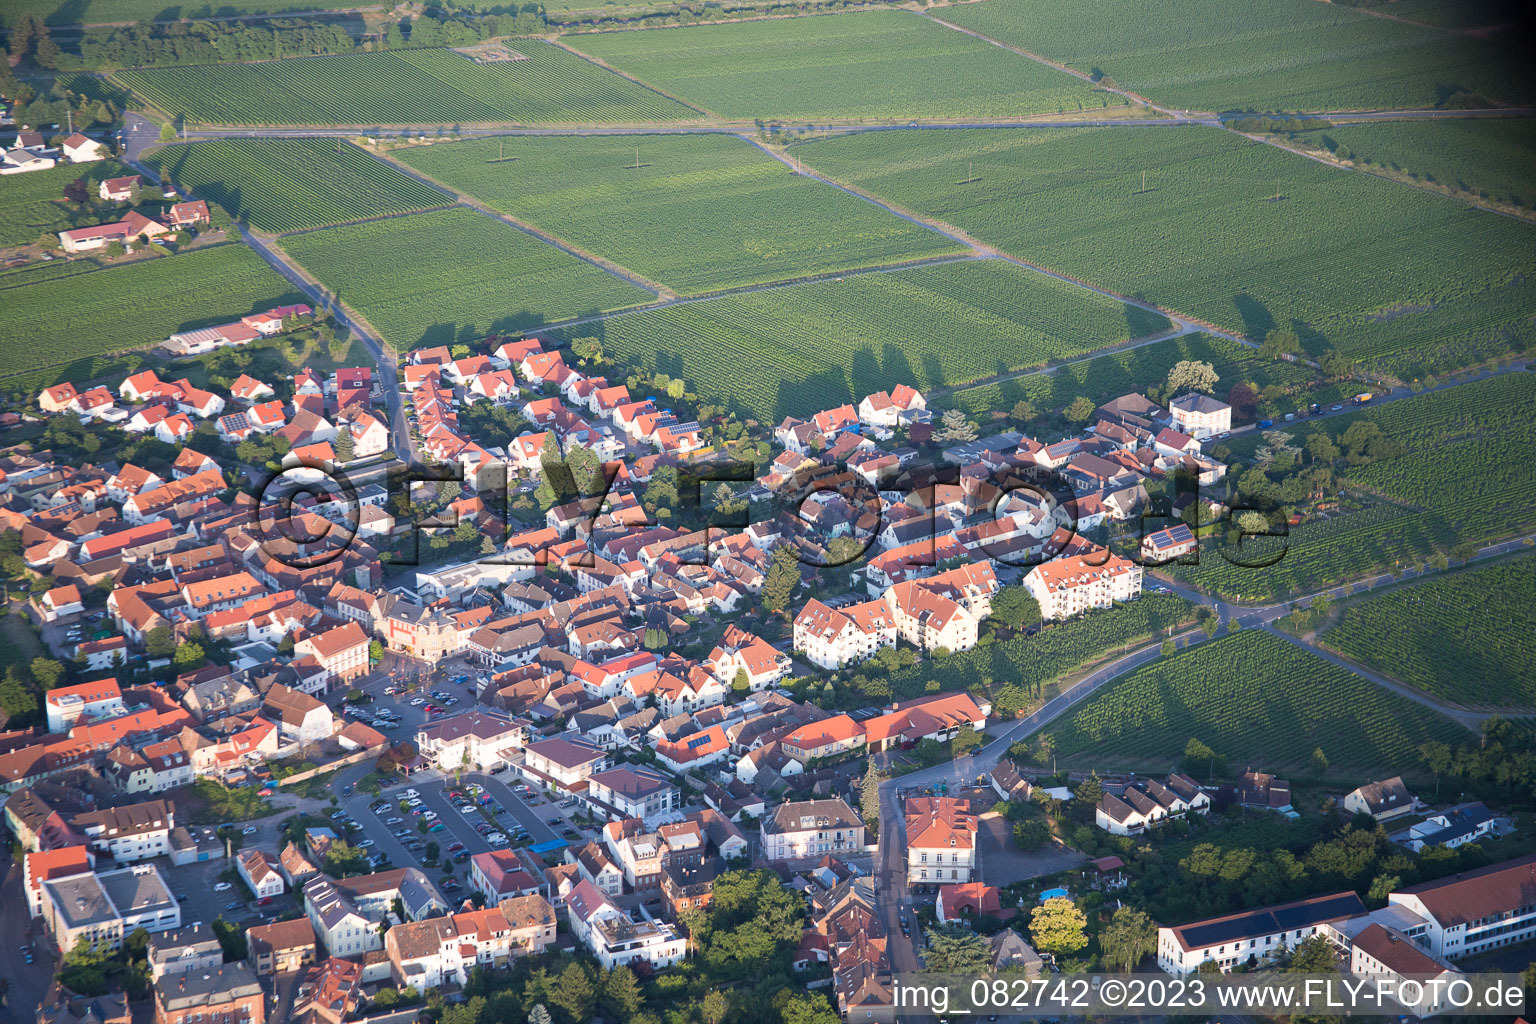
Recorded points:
(941, 840)
(129, 833)
(1065, 587)
(444, 950)
(1200, 416)
(1252, 935)
(1475, 911)
(811, 828)
(563, 764)
(616, 937)
(474, 739)
(67, 705)
(625, 792)
(832, 638)
(104, 908)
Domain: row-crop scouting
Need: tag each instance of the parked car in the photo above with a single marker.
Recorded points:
(265, 901)
(365, 844)
(437, 826)
(462, 855)
(455, 847)
(249, 830)
(394, 821)
(222, 887)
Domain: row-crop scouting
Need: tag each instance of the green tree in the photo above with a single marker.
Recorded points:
(1058, 927)
(1129, 936)
(1314, 955)
(1319, 763)
(713, 1007)
(1280, 342)
(343, 445)
(1022, 412)
(375, 651)
(1192, 375)
(1090, 791)
(189, 655)
(159, 642)
(46, 672)
(17, 699)
(539, 1015)
(1031, 835)
(956, 952)
(955, 429)
(574, 993)
(167, 132)
(1080, 409)
(621, 997)
(782, 579)
(869, 793)
(966, 741)
(1016, 608)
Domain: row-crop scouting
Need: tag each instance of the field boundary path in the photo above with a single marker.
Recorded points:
(623, 273)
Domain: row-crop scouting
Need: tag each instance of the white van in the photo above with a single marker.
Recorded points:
(411, 794)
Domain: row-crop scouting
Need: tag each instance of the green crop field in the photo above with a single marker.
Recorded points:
(799, 349)
(403, 87)
(137, 304)
(1117, 373)
(1462, 477)
(278, 185)
(1441, 635)
(700, 212)
(1295, 55)
(1237, 233)
(1257, 699)
(106, 12)
(1488, 157)
(432, 278)
(878, 64)
(32, 203)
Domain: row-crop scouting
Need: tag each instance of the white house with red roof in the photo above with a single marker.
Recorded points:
(96, 403)
(119, 190)
(78, 149)
(197, 402)
(140, 387)
(545, 368)
(88, 239)
(497, 385)
(57, 398)
(342, 652)
(190, 463)
(512, 353)
(740, 651)
(889, 409)
(248, 389)
(1063, 587)
(67, 705)
(832, 638)
(185, 215)
(61, 602)
(174, 429)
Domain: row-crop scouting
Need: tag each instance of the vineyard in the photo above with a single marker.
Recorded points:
(699, 212)
(1441, 636)
(796, 350)
(1491, 159)
(879, 64)
(403, 87)
(1257, 700)
(278, 185)
(1015, 671)
(77, 316)
(434, 278)
(1107, 376)
(1283, 55)
(1237, 233)
(34, 202)
(98, 12)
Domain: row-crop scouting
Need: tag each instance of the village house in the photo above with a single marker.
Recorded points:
(809, 829)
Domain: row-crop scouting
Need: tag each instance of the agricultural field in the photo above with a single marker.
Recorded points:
(699, 212)
(79, 316)
(1439, 635)
(1139, 369)
(34, 202)
(1254, 697)
(1491, 158)
(403, 87)
(869, 65)
(1234, 232)
(1286, 55)
(434, 278)
(279, 185)
(795, 350)
(1463, 477)
(107, 12)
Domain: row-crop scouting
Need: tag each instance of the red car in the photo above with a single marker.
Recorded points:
(454, 794)
(264, 901)
(455, 847)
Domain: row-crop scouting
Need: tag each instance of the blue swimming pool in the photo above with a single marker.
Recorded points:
(1051, 894)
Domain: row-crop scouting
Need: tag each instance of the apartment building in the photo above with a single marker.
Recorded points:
(476, 738)
(1200, 416)
(625, 792)
(183, 950)
(831, 638)
(104, 908)
(941, 840)
(131, 833)
(1065, 587)
(1252, 935)
(929, 620)
(1475, 911)
(563, 765)
(229, 994)
(281, 946)
(67, 705)
(811, 828)
(615, 937)
(442, 950)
